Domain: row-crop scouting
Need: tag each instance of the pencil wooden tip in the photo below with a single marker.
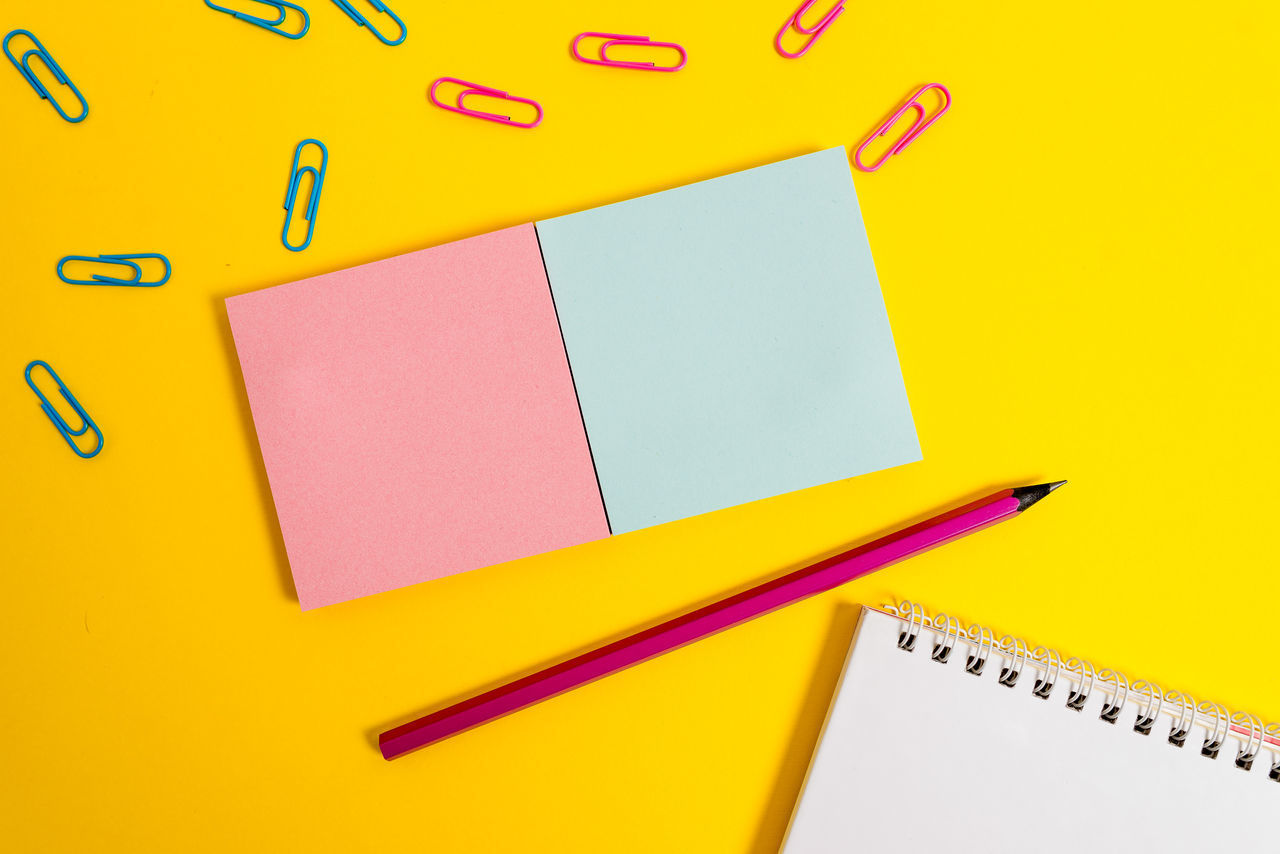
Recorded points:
(1028, 495)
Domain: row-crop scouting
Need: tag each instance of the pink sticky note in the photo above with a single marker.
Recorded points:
(417, 417)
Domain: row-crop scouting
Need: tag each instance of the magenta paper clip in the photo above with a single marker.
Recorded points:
(476, 89)
(611, 39)
(918, 126)
(793, 23)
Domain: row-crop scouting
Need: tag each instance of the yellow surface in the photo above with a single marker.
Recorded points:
(1079, 266)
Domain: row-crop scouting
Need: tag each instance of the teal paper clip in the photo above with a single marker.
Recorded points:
(361, 20)
(58, 421)
(24, 68)
(291, 197)
(127, 261)
(267, 24)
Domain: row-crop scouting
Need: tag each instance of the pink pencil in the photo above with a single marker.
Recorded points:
(687, 628)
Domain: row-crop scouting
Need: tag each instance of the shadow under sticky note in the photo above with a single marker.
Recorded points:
(417, 417)
(728, 340)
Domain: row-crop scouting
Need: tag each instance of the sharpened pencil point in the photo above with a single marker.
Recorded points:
(1028, 495)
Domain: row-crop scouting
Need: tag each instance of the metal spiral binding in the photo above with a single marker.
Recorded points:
(1186, 716)
(1149, 699)
(1115, 701)
(1016, 651)
(942, 649)
(1271, 731)
(1044, 683)
(1151, 711)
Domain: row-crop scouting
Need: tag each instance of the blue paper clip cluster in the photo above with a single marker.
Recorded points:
(125, 269)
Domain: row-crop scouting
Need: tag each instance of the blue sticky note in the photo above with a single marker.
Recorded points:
(728, 341)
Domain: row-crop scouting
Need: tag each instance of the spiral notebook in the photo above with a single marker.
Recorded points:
(942, 738)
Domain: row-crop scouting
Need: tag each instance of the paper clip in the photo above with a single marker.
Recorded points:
(477, 89)
(24, 68)
(58, 421)
(267, 24)
(612, 39)
(812, 32)
(291, 197)
(918, 126)
(361, 20)
(129, 261)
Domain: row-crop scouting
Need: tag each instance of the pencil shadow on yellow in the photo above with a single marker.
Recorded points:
(806, 731)
(251, 449)
(373, 733)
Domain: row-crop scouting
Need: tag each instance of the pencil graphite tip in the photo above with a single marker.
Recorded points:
(1028, 495)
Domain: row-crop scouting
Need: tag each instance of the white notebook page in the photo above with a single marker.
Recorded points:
(918, 755)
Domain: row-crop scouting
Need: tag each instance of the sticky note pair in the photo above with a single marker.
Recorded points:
(550, 384)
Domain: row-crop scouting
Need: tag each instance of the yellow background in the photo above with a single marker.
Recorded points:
(1078, 262)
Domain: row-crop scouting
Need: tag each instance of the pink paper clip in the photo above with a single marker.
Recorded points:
(812, 32)
(477, 89)
(611, 39)
(918, 126)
